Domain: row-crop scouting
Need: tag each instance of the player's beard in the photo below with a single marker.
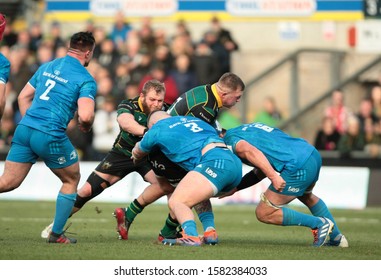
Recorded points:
(146, 109)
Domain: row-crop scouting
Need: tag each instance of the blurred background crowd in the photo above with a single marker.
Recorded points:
(126, 56)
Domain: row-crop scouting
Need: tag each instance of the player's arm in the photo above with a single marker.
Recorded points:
(128, 123)
(86, 114)
(2, 99)
(250, 153)
(25, 98)
(145, 146)
(137, 153)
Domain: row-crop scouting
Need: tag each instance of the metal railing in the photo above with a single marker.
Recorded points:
(293, 58)
(336, 81)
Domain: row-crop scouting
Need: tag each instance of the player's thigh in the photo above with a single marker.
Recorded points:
(69, 176)
(277, 198)
(193, 189)
(14, 174)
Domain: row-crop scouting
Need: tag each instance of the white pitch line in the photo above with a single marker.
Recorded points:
(103, 220)
(47, 220)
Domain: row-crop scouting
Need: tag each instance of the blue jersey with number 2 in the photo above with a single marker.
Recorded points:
(181, 139)
(58, 86)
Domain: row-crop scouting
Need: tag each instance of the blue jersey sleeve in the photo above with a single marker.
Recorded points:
(88, 89)
(148, 141)
(5, 68)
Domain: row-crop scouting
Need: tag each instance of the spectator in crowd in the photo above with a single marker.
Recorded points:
(180, 44)
(269, 114)
(105, 127)
(183, 73)
(206, 65)
(109, 56)
(147, 34)
(226, 39)
(20, 73)
(158, 72)
(44, 54)
(372, 138)
(366, 112)
(353, 139)
(120, 30)
(131, 91)
(338, 111)
(376, 100)
(56, 36)
(327, 136)
(121, 79)
(36, 36)
(163, 55)
(218, 49)
(105, 88)
(140, 66)
(182, 29)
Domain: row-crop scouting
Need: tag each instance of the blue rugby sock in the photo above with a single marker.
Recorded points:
(207, 220)
(294, 218)
(321, 210)
(64, 205)
(190, 228)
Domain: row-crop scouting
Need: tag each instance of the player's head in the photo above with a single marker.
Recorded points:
(3, 23)
(156, 116)
(83, 43)
(230, 88)
(152, 96)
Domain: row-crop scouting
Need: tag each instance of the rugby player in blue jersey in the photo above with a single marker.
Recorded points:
(57, 91)
(5, 68)
(196, 147)
(293, 167)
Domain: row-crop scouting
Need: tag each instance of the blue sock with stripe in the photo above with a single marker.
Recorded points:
(64, 205)
(207, 220)
(320, 209)
(294, 218)
(190, 228)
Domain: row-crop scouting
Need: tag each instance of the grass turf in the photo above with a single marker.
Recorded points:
(241, 236)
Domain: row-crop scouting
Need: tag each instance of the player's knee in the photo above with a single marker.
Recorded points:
(260, 214)
(171, 204)
(97, 185)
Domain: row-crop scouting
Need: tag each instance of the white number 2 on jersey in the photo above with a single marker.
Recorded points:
(49, 85)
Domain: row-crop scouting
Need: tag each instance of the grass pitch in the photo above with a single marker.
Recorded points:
(242, 237)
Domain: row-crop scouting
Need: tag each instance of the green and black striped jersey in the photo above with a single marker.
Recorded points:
(125, 141)
(201, 102)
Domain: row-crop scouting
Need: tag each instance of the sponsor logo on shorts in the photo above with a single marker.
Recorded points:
(293, 189)
(106, 165)
(210, 172)
(157, 165)
(61, 160)
(73, 155)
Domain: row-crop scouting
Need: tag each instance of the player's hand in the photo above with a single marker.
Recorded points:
(84, 128)
(278, 182)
